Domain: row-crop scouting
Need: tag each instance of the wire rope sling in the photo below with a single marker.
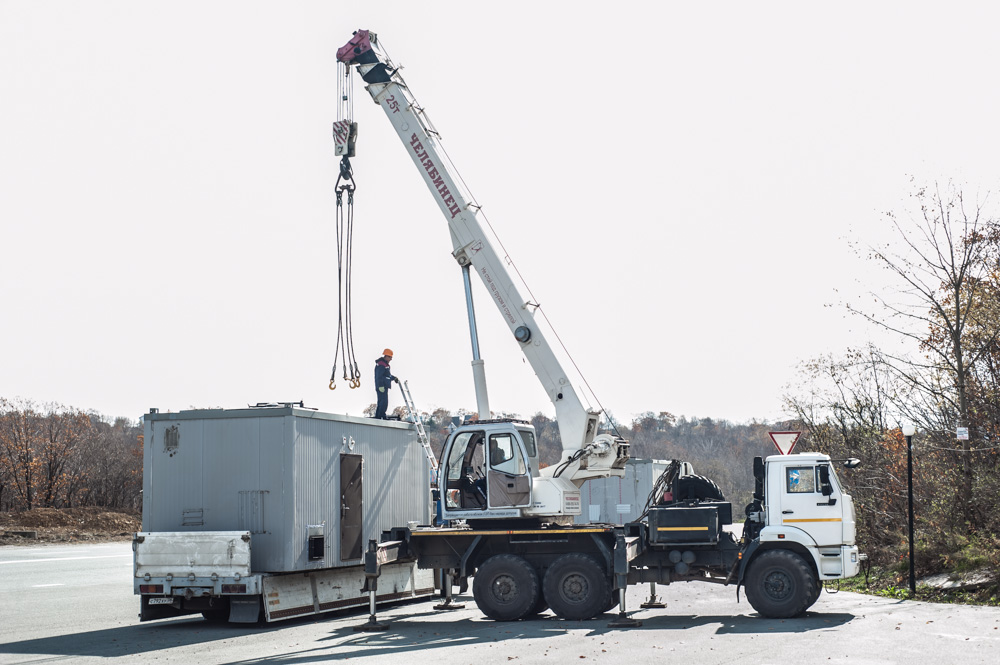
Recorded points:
(345, 133)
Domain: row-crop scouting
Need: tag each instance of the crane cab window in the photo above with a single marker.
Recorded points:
(800, 479)
(505, 455)
(463, 458)
(529, 442)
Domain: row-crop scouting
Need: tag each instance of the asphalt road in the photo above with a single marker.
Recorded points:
(74, 603)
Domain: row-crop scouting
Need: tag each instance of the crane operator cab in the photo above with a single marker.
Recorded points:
(488, 469)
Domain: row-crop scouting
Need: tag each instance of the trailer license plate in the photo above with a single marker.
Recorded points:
(161, 601)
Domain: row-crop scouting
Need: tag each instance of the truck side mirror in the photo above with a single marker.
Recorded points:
(758, 476)
(824, 480)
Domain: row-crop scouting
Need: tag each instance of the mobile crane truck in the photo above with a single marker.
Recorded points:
(505, 517)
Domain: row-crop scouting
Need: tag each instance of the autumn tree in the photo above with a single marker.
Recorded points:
(53, 456)
(110, 464)
(61, 431)
(19, 441)
(941, 304)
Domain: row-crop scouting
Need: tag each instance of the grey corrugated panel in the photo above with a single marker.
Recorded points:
(606, 494)
(396, 483)
(285, 463)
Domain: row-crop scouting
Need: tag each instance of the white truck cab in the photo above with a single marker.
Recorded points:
(805, 505)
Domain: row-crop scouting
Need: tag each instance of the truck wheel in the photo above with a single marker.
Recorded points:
(815, 595)
(780, 584)
(540, 605)
(506, 587)
(698, 487)
(216, 616)
(576, 587)
(218, 612)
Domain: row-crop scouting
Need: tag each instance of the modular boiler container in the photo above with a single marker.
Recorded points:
(310, 487)
(619, 500)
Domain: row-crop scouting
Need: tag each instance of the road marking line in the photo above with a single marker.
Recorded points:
(42, 586)
(68, 558)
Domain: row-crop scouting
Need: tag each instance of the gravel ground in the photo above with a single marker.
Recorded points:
(62, 525)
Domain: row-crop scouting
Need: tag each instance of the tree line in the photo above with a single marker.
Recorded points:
(52, 456)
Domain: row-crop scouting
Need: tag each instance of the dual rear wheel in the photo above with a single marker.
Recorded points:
(575, 587)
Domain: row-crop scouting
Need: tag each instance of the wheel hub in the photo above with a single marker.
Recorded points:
(777, 585)
(504, 588)
(575, 587)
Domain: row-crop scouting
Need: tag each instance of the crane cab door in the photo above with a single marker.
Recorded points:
(463, 483)
(508, 477)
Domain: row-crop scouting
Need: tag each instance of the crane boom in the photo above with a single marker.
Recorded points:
(510, 483)
(471, 244)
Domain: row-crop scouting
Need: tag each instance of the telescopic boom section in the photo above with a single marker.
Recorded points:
(472, 246)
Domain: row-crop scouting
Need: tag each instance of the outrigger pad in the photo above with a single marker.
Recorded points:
(624, 621)
(371, 626)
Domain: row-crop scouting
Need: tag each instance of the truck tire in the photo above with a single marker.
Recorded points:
(540, 606)
(506, 587)
(816, 594)
(697, 487)
(576, 587)
(216, 615)
(780, 584)
(218, 612)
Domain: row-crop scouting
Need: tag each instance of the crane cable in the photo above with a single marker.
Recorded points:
(344, 347)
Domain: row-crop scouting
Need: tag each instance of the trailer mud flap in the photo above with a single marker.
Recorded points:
(244, 610)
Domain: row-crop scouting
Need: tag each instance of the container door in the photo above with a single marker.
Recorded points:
(351, 513)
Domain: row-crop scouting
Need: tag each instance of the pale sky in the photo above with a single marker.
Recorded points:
(676, 181)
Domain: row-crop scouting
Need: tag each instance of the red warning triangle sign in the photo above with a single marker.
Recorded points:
(784, 441)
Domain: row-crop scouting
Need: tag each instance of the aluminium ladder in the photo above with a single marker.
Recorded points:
(418, 423)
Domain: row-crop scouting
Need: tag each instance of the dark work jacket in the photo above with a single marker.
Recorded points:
(383, 377)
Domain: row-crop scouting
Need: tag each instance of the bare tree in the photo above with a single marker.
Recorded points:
(942, 271)
(19, 434)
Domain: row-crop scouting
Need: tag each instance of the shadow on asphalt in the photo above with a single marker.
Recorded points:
(752, 624)
(133, 640)
(142, 638)
(405, 634)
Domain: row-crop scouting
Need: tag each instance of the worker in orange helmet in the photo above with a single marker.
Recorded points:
(383, 382)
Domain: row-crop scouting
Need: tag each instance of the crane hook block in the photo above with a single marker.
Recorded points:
(345, 137)
(333, 384)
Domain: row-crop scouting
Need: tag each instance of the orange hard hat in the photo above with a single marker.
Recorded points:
(387, 352)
